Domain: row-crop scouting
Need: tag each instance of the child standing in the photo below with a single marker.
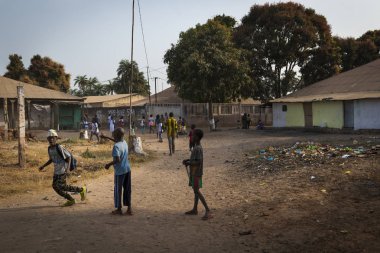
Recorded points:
(61, 159)
(196, 172)
(94, 130)
(122, 172)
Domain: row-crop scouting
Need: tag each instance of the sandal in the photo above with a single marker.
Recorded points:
(116, 212)
(192, 212)
(128, 212)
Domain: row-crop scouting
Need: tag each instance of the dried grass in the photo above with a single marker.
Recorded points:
(14, 180)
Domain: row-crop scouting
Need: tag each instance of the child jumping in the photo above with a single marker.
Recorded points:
(196, 172)
(61, 159)
(122, 172)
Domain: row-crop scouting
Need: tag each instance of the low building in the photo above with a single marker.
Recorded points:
(349, 100)
(45, 108)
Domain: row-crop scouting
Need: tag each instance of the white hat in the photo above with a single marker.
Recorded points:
(52, 133)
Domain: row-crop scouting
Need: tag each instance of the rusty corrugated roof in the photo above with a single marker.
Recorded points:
(8, 89)
(359, 83)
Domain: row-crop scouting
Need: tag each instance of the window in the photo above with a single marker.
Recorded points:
(284, 108)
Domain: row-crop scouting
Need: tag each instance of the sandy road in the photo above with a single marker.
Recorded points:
(35, 223)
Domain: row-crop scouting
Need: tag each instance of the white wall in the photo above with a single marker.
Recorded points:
(367, 114)
(279, 119)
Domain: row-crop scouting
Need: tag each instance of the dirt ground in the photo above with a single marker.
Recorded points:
(280, 211)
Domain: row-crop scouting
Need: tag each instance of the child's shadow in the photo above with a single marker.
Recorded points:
(26, 208)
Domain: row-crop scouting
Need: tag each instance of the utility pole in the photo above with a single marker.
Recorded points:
(155, 89)
(130, 85)
(147, 75)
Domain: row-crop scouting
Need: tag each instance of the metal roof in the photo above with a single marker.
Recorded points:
(8, 89)
(360, 83)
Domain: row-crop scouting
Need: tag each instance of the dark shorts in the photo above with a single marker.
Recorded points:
(195, 182)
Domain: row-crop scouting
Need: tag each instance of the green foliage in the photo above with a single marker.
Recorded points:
(15, 68)
(47, 73)
(225, 20)
(285, 42)
(42, 71)
(205, 66)
(88, 154)
(373, 36)
(122, 82)
(356, 52)
(90, 87)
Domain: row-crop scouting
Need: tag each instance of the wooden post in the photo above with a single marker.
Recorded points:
(13, 113)
(6, 121)
(29, 111)
(21, 126)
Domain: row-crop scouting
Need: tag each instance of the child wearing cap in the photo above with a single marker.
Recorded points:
(61, 162)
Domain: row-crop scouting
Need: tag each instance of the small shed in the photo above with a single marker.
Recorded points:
(348, 100)
(45, 108)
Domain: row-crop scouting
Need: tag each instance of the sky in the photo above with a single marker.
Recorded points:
(90, 37)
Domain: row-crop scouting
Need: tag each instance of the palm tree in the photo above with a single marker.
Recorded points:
(92, 83)
(82, 83)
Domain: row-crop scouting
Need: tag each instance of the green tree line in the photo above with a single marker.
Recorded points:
(275, 50)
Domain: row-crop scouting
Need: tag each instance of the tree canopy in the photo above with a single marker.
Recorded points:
(15, 68)
(122, 82)
(205, 66)
(289, 46)
(42, 71)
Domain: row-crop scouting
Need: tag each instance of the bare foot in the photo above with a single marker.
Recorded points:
(207, 216)
(192, 212)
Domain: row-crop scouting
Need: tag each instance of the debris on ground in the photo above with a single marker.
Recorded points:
(273, 159)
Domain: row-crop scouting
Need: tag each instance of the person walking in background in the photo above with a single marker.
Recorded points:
(159, 128)
(121, 122)
(151, 123)
(94, 129)
(191, 135)
(171, 126)
(142, 125)
(111, 124)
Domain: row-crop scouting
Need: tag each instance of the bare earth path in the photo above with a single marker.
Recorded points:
(240, 202)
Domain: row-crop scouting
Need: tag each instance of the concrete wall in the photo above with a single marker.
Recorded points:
(279, 117)
(292, 117)
(367, 114)
(295, 115)
(328, 114)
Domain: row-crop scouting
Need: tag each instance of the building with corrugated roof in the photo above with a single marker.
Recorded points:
(45, 108)
(348, 100)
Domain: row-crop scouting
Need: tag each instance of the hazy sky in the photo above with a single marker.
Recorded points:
(90, 37)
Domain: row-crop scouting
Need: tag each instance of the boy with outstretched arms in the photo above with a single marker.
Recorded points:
(196, 172)
(122, 172)
(61, 159)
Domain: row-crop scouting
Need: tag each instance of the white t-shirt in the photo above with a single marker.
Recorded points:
(60, 165)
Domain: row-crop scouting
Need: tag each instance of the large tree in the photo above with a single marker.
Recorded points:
(205, 66)
(356, 52)
(122, 82)
(373, 36)
(286, 41)
(15, 68)
(47, 73)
